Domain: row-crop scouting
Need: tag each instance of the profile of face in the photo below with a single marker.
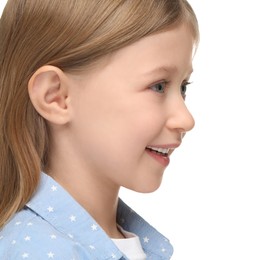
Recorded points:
(129, 114)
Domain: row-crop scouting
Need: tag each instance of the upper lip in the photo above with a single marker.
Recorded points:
(165, 146)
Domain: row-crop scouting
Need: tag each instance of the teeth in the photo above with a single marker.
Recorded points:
(159, 150)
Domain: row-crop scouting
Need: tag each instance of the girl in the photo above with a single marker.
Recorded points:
(91, 99)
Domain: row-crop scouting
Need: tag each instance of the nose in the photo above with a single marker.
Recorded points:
(180, 119)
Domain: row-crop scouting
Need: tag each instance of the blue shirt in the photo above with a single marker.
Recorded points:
(54, 226)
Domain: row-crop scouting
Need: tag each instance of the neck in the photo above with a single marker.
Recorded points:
(97, 197)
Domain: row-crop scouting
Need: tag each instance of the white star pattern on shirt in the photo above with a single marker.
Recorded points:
(54, 188)
(73, 218)
(50, 209)
(50, 255)
(35, 230)
(94, 227)
(145, 239)
(27, 238)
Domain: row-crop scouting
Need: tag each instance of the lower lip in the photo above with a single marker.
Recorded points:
(163, 160)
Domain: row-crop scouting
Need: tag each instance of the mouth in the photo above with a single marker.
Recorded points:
(159, 154)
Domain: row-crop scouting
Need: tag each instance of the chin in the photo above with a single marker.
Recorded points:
(146, 187)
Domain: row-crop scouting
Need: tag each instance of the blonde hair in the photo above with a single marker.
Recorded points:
(69, 34)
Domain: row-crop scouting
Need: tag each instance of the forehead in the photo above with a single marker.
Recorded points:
(172, 47)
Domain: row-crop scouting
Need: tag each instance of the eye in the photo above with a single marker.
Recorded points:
(159, 87)
(183, 88)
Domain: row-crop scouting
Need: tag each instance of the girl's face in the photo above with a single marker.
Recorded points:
(129, 114)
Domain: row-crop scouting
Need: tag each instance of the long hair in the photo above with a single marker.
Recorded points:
(69, 34)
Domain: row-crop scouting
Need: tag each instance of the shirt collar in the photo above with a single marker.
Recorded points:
(56, 206)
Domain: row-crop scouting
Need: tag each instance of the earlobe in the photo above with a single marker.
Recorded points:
(48, 90)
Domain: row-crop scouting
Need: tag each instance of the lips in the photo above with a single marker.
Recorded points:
(161, 157)
(161, 153)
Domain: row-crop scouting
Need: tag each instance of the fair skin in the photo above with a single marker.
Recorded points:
(103, 119)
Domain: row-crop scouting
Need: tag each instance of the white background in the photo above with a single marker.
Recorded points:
(219, 198)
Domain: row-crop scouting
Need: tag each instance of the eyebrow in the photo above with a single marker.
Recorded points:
(166, 68)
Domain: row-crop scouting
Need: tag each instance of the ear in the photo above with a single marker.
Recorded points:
(48, 90)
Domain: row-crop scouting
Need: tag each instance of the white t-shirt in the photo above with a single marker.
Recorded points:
(130, 246)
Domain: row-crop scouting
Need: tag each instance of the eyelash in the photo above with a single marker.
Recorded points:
(164, 84)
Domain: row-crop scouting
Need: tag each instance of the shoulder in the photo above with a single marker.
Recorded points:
(28, 236)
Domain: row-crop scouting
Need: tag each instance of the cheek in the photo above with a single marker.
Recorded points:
(139, 118)
(120, 118)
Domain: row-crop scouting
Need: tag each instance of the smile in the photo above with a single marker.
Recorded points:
(160, 155)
